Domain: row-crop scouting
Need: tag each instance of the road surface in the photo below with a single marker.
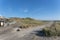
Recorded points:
(16, 35)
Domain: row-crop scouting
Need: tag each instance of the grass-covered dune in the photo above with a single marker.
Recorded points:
(26, 22)
(53, 30)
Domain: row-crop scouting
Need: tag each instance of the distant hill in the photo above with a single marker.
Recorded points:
(25, 22)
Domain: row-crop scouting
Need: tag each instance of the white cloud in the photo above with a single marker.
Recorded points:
(26, 10)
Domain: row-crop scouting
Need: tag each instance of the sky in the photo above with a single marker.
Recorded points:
(38, 9)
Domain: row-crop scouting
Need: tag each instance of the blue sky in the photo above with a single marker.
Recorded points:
(38, 9)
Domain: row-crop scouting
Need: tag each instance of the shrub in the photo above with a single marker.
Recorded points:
(51, 32)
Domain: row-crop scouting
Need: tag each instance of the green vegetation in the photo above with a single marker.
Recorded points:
(26, 22)
(53, 30)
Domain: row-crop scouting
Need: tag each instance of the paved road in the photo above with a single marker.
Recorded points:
(16, 35)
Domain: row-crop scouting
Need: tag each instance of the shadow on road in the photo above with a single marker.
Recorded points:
(39, 33)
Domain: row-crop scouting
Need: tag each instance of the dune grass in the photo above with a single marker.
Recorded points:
(27, 22)
(52, 31)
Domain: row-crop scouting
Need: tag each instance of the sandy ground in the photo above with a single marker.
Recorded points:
(12, 34)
